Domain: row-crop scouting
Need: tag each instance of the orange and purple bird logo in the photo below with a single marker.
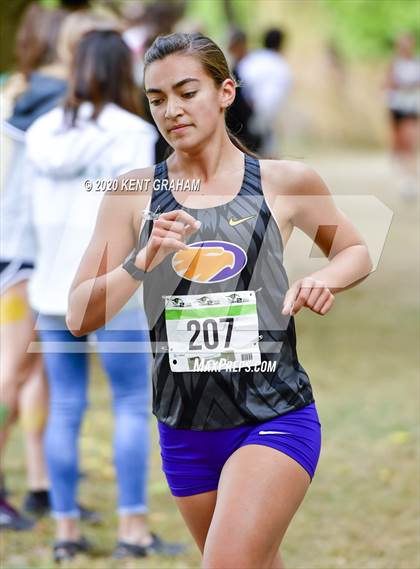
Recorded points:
(209, 261)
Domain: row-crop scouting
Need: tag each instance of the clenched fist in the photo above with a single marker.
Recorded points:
(168, 235)
(309, 292)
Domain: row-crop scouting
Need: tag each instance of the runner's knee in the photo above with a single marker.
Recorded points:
(235, 556)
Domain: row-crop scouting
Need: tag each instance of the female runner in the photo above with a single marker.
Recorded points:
(239, 431)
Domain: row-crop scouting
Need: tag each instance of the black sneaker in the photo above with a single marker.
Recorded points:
(11, 519)
(64, 550)
(37, 503)
(157, 546)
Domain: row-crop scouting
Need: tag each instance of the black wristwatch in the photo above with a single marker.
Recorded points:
(131, 268)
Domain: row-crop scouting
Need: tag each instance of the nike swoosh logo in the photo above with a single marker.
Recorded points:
(234, 222)
(273, 433)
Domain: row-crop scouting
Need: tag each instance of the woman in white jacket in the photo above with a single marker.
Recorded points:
(75, 152)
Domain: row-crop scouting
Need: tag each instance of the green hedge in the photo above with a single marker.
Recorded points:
(367, 28)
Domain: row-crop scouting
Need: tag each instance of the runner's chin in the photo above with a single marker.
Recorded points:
(188, 139)
(179, 136)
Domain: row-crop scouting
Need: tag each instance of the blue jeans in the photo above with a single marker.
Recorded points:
(128, 372)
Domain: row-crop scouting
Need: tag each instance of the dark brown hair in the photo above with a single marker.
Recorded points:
(101, 73)
(36, 39)
(206, 51)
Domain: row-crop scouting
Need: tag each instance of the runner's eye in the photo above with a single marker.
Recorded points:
(189, 94)
(155, 102)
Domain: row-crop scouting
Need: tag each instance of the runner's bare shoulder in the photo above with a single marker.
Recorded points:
(131, 196)
(138, 181)
(291, 178)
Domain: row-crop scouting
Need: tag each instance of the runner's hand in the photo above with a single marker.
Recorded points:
(309, 292)
(168, 236)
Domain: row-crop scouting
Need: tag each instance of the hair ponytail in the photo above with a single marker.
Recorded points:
(242, 147)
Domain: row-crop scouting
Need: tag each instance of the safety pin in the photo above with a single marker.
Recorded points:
(253, 342)
(151, 215)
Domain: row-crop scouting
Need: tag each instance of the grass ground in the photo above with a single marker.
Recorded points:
(361, 511)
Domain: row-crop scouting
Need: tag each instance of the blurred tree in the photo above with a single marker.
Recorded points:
(367, 28)
(10, 14)
(230, 16)
(218, 15)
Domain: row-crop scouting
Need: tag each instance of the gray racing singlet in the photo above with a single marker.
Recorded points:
(219, 302)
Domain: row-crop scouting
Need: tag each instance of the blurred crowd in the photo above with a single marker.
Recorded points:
(73, 110)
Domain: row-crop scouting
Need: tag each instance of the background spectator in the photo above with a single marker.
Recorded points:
(266, 80)
(240, 113)
(403, 100)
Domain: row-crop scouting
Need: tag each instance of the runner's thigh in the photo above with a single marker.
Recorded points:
(197, 512)
(260, 490)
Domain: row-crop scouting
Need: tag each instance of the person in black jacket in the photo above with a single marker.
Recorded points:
(241, 111)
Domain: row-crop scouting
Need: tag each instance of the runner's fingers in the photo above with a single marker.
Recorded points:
(190, 229)
(171, 244)
(327, 306)
(158, 243)
(152, 249)
(176, 226)
(159, 247)
(180, 216)
(314, 297)
(301, 298)
(154, 242)
(290, 297)
(324, 296)
(162, 233)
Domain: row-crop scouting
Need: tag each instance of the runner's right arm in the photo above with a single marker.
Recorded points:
(101, 286)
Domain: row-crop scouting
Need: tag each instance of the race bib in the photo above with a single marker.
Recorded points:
(212, 332)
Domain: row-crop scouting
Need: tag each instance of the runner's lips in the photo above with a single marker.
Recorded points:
(178, 127)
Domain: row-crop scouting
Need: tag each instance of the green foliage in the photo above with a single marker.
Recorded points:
(49, 3)
(367, 28)
(212, 13)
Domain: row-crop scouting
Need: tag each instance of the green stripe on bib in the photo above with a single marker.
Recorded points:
(216, 311)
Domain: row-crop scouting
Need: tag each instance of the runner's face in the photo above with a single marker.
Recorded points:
(184, 101)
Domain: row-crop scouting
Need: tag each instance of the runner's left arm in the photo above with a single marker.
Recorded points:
(316, 214)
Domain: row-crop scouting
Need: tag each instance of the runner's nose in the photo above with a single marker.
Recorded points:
(173, 108)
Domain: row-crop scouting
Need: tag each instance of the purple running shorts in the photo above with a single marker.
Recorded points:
(193, 460)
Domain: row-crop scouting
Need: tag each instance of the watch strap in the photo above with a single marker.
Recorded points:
(131, 268)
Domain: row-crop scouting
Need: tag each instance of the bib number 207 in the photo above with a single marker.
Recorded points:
(209, 328)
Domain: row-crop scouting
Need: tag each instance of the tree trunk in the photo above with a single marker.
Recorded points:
(10, 14)
(229, 12)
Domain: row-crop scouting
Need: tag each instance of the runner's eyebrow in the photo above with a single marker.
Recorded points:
(174, 86)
